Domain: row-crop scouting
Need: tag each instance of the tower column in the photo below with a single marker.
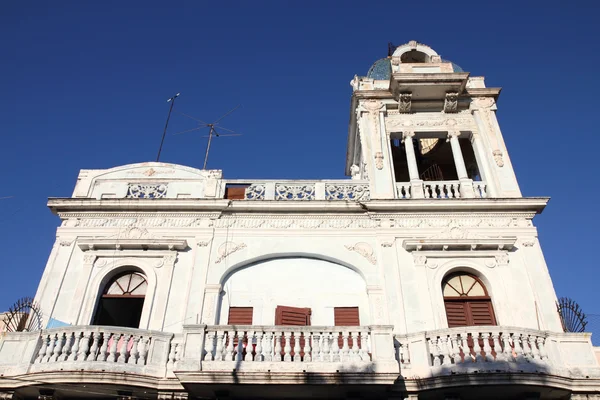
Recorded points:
(466, 184)
(413, 170)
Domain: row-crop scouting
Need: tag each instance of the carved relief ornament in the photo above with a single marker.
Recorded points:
(227, 249)
(451, 102)
(498, 158)
(365, 250)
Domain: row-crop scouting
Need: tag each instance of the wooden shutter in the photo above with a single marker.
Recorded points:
(292, 316)
(240, 316)
(456, 313)
(481, 312)
(235, 192)
(346, 316)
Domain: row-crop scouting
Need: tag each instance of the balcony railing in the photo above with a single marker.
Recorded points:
(442, 190)
(316, 349)
(308, 190)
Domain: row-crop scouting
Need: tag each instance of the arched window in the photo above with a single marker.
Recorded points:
(122, 301)
(467, 301)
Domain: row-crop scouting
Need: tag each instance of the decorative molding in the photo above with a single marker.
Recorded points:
(379, 160)
(404, 102)
(365, 250)
(451, 102)
(498, 158)
(387, 244)
(421, 260)
(100, 262)
(89, 258)
(427, 121)
(528, 242)
(93, 243)
(498, 261)
(453, 134)
(482, 102)
(227, 249)
(203, 243)
(65, 242)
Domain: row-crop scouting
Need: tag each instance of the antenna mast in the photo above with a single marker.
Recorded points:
(172, 101)
(212, 131)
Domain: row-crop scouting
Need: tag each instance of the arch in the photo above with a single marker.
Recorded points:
(427, 51)
(103, 276)
(466, 300)
(273, 256)
(322, 286)
(122, 300)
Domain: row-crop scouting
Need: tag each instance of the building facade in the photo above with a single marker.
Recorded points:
(420, 276)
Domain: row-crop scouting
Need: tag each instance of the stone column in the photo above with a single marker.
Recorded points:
(413, 171)
(482, 164)
(466, 184)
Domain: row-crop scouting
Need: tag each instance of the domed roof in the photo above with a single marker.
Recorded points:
(381, 70)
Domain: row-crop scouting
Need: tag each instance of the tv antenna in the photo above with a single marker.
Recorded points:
(172, 101)
(212, 130)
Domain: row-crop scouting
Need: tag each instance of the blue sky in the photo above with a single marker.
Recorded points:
(84, 85)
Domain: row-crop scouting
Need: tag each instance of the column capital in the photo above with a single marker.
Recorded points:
(453, 134)
(407, 135)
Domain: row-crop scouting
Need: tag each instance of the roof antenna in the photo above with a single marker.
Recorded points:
(172, 101)
(212, 131)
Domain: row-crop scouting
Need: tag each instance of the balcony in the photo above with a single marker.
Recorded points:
(227, 354)
(442, 190)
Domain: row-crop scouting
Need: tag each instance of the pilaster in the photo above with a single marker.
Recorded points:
(211, 302)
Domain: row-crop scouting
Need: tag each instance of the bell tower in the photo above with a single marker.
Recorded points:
(422, 128)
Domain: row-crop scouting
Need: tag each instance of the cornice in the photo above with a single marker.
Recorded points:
(483, 92)
(518, 204)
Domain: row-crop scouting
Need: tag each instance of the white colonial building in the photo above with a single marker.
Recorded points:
(421, 276)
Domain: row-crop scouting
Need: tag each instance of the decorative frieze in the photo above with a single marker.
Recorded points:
(431, 121)
(146, 191)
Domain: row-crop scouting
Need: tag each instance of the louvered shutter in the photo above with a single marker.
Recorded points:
(456, 311)
(481, 312)
(240, 316)
(292, 316)
(346, 316)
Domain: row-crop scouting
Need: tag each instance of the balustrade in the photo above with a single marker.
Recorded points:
(303, 190)
(440, 190)
(146, 190)
(94, 345)
(287, 344)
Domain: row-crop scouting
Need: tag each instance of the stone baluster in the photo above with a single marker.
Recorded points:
(134, 352)
(497, 345)
(325, 347)
(446, 346)
(220, 344)
(527, 347)
(50, 348)
(486, 347)
(506, 354)
(42, 352)
(94, 349)
(112, 351)
(477, 347)
(519, 346)
(171, 355)
(230, 349)
(541, 343)
(239, 352)
(455, 349)
(103, 355)
(363, 352)
(75, 346)
(307, 350)
(66, 348)
(58, 346)
(535, 353)
(435, 352)
(209, 346)
(267, 349)
(287, 349)
(335, 347)
(143, 350)
(84, 346)
(297, 350)
(316, 347)
(354, 350)
(277, 353)
(345, 353)
(123, 349)
(249, 348)
(258, 350)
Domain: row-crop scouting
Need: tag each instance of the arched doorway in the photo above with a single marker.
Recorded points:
(122, 300)
(467, 301)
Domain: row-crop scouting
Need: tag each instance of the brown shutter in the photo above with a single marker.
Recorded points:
(346, 316)
(235, 192)
(292, 316)
(482, 312)
(240, 316)
(456, 313)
